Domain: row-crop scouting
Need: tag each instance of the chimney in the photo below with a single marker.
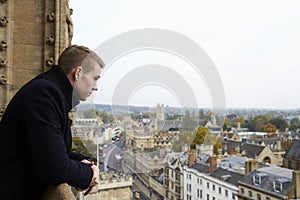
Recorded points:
(212, 163)
(296, 181)
(251, 165)
(233, 152)
(278, 145)
(191, 158)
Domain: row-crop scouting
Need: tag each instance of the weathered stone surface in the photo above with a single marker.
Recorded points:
(23, 32)
(29, 11)
(60, 192)
(28, 33)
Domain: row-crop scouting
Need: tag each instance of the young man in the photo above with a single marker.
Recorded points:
(35, 136)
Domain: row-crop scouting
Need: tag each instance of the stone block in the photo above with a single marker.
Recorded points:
(18, 55)
(28, 33)
(33, 58)
(21, 76)
(29, 11)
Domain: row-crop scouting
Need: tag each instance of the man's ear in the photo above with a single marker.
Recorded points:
(77, 71)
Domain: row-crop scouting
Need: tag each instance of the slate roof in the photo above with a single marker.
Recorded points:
(168, 124)
(294, 151)
(252, 149)
(233, 145)
(233, 179)
(270, 174)
(200, 168)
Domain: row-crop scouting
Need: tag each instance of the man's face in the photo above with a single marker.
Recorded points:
(86, 82)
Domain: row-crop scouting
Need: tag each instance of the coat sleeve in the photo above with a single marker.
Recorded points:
(44, 113)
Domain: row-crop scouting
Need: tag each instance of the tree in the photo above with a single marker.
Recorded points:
(279, 123)
(257, 123)
(184, 137)
(200, 134)
(216, 148)
(295, 121)
(80, 147)
(90, 113)
(269, 128)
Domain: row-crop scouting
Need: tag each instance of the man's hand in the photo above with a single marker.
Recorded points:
(95, 178)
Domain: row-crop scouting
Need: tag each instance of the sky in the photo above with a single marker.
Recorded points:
(254, 47)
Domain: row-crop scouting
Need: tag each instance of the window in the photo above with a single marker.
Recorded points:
(198, 193)
(233, 196)
(201, 194)
(277, 186)
(198, 181)
(220, 190)
(214, 198)
(190, 176)
(207, 196)
(250, 193)
(242, 191)
(207, 185)
(214, 187)
(258, 197)
(226, 193)
(257, 178)
(268, 198)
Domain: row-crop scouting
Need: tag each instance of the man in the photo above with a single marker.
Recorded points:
(35, 136)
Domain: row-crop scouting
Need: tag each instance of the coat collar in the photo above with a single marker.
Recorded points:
(58, 77)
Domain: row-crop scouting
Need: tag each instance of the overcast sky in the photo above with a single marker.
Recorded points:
(254, 45)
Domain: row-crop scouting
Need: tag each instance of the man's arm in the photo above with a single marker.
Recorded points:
(45, 113)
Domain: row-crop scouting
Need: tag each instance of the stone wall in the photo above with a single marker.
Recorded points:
(32, 35)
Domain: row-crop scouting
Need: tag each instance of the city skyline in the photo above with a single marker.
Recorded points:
(252, 45)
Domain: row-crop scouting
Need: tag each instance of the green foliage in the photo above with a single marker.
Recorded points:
(85, 147)
(269, 127)
(279, 123)
(257, 123)
(184, 137)
(189, 123)
(90, 113)
(217, 147)
(200, 135)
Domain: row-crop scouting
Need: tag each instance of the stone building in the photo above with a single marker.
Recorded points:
(291, 159)
(111, 186)
(32, 36)
(270, 183)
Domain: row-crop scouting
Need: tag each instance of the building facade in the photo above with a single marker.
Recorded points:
(199, 183)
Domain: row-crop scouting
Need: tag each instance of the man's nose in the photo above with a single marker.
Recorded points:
(95, 87)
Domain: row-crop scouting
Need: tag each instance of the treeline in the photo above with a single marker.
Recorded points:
(263, 123)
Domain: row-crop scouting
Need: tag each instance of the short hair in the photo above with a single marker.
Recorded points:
(75, 56)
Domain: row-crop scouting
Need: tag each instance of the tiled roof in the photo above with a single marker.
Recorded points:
(232, 177)
(294, 151)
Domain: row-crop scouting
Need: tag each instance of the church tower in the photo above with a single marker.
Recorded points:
(160, 112)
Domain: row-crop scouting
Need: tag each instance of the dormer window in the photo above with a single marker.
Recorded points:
(279, 184)
(257, 178)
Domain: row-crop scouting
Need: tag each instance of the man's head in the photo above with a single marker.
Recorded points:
(83, 68)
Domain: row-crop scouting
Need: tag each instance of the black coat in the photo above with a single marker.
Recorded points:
(35, 140)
